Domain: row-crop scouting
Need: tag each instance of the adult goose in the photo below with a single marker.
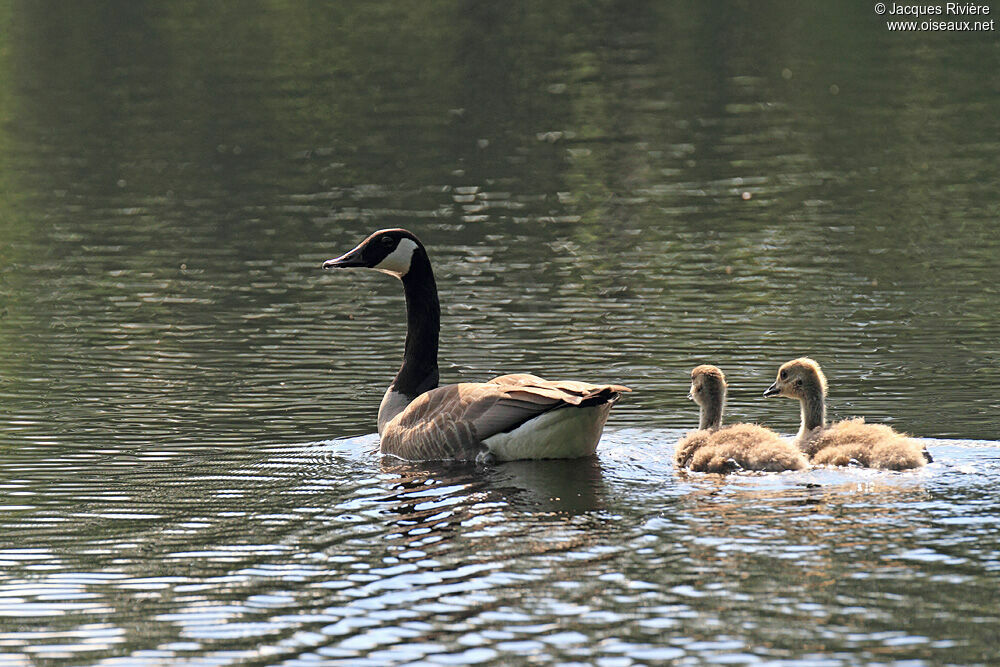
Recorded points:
(723, 449)
(510, 417)
(846, 442)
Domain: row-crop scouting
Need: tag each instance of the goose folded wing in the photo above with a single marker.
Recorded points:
(451, 422)
(568, 391)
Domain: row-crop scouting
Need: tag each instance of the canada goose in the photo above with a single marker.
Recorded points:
(510, 417)
(713, 448)
(844, 442)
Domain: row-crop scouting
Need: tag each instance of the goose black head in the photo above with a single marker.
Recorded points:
(799, 379)
(387, 250)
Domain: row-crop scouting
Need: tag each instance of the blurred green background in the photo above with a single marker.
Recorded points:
(612, 191)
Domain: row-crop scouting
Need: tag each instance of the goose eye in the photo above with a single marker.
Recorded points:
(387, 241)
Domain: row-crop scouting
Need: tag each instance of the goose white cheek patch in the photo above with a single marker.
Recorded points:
(397, 263)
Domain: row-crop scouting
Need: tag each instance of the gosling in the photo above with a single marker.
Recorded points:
(846, 442)
(713, 448)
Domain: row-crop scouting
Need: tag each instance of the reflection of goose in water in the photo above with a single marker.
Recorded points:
(423, 488)
(724, 449)
(734, 525)
(429, 500)
(508, 418)
(554, 486)
(844, 442)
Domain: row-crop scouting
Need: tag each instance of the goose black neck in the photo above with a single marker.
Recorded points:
(419, 372)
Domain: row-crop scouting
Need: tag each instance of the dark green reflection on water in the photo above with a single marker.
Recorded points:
(173, 174)
(611, 191)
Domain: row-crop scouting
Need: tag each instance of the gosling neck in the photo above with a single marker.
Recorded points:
(813, 410)
(710, 411)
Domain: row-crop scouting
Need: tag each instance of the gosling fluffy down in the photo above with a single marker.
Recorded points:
(718, 449)
(848, 442)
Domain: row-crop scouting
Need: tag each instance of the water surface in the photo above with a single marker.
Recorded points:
(289, 554)
(608, 192)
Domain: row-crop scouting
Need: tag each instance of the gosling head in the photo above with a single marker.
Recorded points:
(708, 385)
(708, 390)
(388, 250)
(799, 379)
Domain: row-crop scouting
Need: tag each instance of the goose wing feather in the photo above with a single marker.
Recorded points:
(564, 388)
(451, 422)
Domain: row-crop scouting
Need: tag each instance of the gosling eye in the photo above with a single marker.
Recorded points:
(798, 383)
(784, 375)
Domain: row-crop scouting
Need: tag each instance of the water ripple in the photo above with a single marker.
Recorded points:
(333, 558)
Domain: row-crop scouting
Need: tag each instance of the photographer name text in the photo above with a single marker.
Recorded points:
(949, 10)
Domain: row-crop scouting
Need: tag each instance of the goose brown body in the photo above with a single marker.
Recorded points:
(510, 417)
(456, 421)
(723, 449)
(847, 442)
